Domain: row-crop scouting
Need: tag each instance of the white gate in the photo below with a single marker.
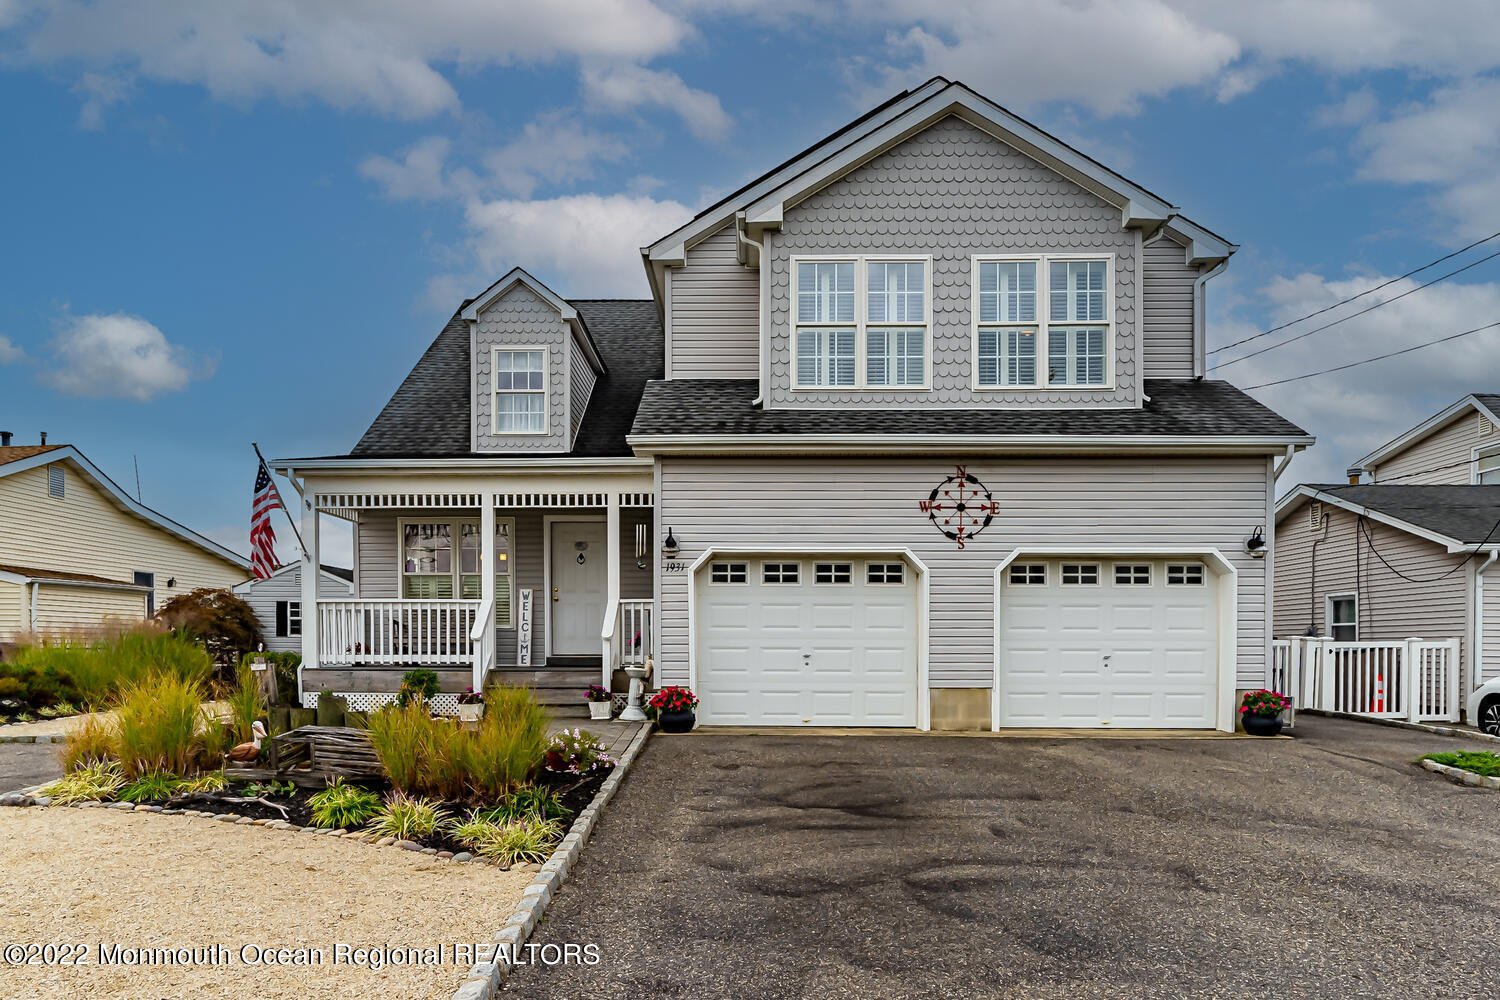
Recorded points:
(1412, 680)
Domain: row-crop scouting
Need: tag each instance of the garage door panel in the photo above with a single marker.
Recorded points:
(1183, 709)
(1130, 710)
(781, 661)
(1185, 618)
(1134, 619)
(781, 616)
(723, 615)
(1133, 664)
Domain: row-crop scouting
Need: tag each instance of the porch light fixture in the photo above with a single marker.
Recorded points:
(1256, 543)
(669, 548)
(171, 581)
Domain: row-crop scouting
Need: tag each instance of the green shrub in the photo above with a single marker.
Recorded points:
(158, 724)
(215, 739)
(1478, 761)
(531, 800)
(98, 781)
(285, 665)
(420, 684)
(100, 668)
(527, 839)
(576, 751)
(208, 781)
(506, 750)
(407, 818)
(343, 806)
(401, 737)
(39, 687)
(156, 787)
(245, 702)
(95, 738)
(219, 621)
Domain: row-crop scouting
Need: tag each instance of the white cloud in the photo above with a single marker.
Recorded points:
(10, 353)
(385, 55)
(119, 356)
(624, 87)
(417, 175)
(1356, 108)
(587, 244)
(1355, 411)
(552, 149)
(100, 91)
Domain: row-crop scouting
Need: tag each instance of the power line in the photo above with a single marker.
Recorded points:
(1380, 357)
(1367, 291)
(1364, 527)
(1342, 319)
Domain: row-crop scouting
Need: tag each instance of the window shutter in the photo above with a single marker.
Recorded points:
(281, 619)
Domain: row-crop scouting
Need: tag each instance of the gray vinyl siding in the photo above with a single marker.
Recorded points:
(1166, 311)
(580, 387)
(953, 191)
(520, 318)
(1440, 457)
(714, 312)
(770, 504)
(1390, 608)
(1491, 634)
(262, 596)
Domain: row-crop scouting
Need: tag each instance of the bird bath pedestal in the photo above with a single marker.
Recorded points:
(633, 708)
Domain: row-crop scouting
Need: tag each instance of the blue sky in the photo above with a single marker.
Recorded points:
(244, 221)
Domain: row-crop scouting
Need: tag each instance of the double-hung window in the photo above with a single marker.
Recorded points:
(1343, 617)
(861, 323)
(1042, 321)
(430, 571)
(1487, 469)
(520, 391)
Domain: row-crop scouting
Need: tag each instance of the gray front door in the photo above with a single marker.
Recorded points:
(579, 565)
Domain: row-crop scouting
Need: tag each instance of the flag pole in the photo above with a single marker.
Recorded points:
(284, 508)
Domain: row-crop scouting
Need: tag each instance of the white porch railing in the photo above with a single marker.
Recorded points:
(395, 632)
(1412, 679)
(626, 635)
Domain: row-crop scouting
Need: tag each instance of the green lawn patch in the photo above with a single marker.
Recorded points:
(1478, 761)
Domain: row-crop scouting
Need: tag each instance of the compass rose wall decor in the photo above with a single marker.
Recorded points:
(960, 506)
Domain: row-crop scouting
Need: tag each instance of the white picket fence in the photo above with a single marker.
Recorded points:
(1411, 679)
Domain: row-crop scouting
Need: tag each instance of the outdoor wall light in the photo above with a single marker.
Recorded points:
(669, 547)
(1256, 543)
(171, 581)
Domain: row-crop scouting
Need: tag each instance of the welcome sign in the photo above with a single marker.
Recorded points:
(523, 628)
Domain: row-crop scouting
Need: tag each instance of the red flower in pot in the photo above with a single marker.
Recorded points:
(673, 707)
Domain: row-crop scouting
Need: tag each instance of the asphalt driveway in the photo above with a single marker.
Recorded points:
(808, 867)
(26, 764)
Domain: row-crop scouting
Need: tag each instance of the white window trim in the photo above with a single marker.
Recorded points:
(546, 390)
(1115, 570)
(293, 619)
(781, 573)
(1011, 582)
(885, 571)
(1098, 569)
(833, 571)
(1480, 453)
(1186, 568)
(1349, 595)
(729, 565)
(1043, 322)
(861, 327)
(455, 528)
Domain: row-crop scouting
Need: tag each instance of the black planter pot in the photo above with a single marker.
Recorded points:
(1262, 725)
(675, 722)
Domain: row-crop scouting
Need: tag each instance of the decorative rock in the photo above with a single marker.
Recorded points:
(356, 835)
(228, 818)
(409, 845)
(385, 841)
(429, 850)
(339, 832)
(463, 856)
(123, 805)
(260, 822)
(142, 808)
(41, 800)
(243, 821)
(445, 855)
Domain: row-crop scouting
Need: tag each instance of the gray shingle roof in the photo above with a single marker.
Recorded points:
(1178, 407)
(1490, 401)
(429, 414)
(1466, 514)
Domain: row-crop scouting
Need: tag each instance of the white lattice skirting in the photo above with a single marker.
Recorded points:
(370, 701)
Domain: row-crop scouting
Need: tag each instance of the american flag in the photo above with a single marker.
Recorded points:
(262, 535)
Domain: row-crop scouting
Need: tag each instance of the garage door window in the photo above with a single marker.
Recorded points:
(885, 573)
(1133, 575)
(780, 572)
(1033, 575)
(1184, 575)
(728, 572)
(833, 573)
(1080, 575)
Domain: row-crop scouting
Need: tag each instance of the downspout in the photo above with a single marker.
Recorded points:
(35, 588)
(1291, 453)
(760, 310)
(1200, 321)
(1476, 653)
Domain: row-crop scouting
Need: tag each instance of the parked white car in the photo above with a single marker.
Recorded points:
(1484, 707)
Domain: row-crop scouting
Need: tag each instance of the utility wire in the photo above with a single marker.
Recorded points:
(1380, 357)
(1364, 527)
(1342, 319)
(1367, 291)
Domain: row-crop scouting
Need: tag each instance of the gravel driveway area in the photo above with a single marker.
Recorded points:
(814, 867)
(25, 764)
(145, 881)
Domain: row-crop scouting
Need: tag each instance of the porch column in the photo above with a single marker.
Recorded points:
(311, 571)
(612, 576)
(484, 659)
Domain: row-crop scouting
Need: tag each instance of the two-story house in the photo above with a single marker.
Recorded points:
(913, 432)
(1407, 548)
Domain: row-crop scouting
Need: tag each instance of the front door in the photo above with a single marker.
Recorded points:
(579, 566)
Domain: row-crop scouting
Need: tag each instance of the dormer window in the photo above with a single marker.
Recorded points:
(862, 323)
(1019, 343)
(520, 390)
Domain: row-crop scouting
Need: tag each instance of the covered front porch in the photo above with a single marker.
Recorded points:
(543, 580)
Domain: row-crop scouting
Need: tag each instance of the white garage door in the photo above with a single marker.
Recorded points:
(1129, 643)
(806, 641)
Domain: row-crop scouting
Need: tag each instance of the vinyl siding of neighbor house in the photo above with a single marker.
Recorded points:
(953, 191)
(1440, 457)
(14, 610)
(1390, 608)
(1491, 636)
(379, 561)
(581, 380)
(1089, 503)
(62, 609)
(714, 312)
(85, 532)
(262, 596)
(1166, 311)
(521, 318)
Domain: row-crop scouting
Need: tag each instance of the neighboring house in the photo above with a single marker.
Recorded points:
(913, 432)
(77, 552)
(277, 601)
(1410, 550)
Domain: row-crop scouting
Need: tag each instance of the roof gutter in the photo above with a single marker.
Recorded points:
(291, 467)
(1291, 453)
(1015, 444)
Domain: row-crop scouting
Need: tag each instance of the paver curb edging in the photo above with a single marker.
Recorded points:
(44, 738)
(1420, 727)
(1462, 777)
(484, 978)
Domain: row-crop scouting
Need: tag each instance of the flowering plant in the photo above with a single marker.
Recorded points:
(596, 692)
(1265, 702)
(471, 697)
(674, 699)
(576, 751)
